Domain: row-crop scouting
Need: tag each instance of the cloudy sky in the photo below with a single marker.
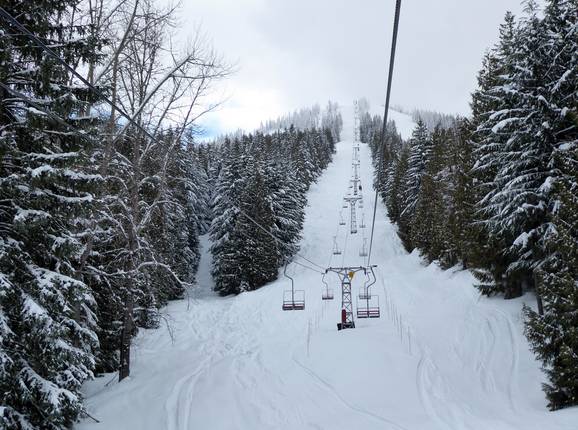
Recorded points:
(294, 53)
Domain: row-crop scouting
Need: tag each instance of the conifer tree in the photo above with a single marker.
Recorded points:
(397, 188)
(226, 206)
(495, 108)
(465, 235)
(552, 330)
(271, 193)
(47, 314)
(429, 224)
(419, 150)
(259, 253)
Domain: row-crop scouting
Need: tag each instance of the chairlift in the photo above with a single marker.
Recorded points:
(368, 307)
(367, 303)
(327, 293)
(336, 250)
(341, 219)
(362, 225)
(293, 300)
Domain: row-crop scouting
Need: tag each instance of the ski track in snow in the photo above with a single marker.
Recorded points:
(347, 404)
(440, 357)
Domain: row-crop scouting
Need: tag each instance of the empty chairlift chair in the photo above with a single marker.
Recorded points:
(367, 303)
(327, 293)
(336, 250)
(341, 219)
(293, 300)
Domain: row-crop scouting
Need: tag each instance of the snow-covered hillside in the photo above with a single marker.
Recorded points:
(440, 357)
(403, 122)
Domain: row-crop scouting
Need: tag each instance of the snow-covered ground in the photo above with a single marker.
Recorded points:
(403, 123)
(440, 357)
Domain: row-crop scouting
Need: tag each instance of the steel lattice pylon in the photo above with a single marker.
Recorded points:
(353, 218)
(345, 276)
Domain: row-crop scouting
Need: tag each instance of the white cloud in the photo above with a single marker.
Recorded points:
(295, 53)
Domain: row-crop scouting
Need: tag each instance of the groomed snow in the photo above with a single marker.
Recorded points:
(441, 357)
(404, 123)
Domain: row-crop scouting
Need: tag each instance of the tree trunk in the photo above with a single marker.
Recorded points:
(538, 296)
(125, 339)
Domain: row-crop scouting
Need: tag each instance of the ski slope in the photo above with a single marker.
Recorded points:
(440, 357)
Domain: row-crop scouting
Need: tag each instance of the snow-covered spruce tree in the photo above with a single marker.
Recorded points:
(209, 162)
(288, 200)
(46, 313)
(429, 230)
(464, 234)
(440, 225)
(519, 204)
(271, 193)
(245, 256)
(520, 207)
(287, 196)
(331, 120)
(302, 156)
(259, 252)
(419, 151)
(494, 108)
(365, 128)
(397, 184)
(384, 154)
(554, 334)
(226, 204)
(552, 330)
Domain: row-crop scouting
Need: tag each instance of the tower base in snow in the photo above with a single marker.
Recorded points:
(343, 326)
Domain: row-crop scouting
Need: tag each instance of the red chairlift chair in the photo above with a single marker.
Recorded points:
(367, 303)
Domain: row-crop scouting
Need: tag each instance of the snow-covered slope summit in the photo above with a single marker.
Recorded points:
(440, 357)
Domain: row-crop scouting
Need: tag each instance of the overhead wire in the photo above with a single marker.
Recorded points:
(278, 240)
(247, 235)
(307, 267)
(384, 125)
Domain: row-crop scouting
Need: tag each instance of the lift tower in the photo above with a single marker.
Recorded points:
(352, 200)
(346, 276)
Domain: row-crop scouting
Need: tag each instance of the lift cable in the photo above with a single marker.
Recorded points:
(307, 267)
(247, 235)
(278, 240)
(384, 125)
